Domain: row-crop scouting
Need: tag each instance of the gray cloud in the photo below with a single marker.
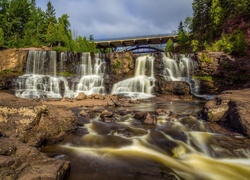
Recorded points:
(120, 18)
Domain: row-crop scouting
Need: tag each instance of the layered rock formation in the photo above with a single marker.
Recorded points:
(27, 124)
(232, 109)
(218, 72)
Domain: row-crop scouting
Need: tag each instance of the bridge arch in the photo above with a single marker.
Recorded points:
(146, 48)
(136, 42)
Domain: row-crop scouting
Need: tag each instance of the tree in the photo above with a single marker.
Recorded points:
(91, 37)
(169, 46)
(18, 14)
(50, 14)
(216, 15)
(35, 27)
(51, 35)
(1, 37)
(183, 38)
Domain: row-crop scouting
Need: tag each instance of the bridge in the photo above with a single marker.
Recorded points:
(150, 42)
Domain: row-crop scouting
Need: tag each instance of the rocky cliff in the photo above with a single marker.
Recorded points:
(218, 72)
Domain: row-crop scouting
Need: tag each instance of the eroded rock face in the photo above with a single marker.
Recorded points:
(218, 72)
(233, 108)
(20, 161)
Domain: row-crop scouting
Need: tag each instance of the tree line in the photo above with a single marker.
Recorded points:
(204, 30)
(23, 24)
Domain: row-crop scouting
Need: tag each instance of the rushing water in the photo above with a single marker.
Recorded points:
(179, 146)
(45, 76)
(141, 85)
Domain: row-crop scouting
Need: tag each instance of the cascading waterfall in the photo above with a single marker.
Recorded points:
(181, 69)
(141, 85)
(177, 70)
(41, 78)
(91, 81)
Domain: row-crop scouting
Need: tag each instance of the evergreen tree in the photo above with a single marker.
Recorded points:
(1, 37)
(50, 14)
(216, 15)
(51, 35)
(18, 13)
(169, 46)
(34, 28)
(63, 34)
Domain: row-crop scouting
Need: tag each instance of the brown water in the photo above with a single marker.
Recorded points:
(180, 146)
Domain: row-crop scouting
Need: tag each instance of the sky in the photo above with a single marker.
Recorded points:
(121, 18)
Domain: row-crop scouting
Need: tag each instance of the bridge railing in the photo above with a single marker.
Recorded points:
(135, 37)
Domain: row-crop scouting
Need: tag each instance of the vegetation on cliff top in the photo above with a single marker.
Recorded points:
(22, 24)
(204, 31)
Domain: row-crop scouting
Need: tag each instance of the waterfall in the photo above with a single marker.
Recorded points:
(181, 69)
(141, 85)
(177, 70)
(43, 76)
(91, 76)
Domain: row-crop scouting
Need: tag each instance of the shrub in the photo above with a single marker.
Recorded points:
(232, 44)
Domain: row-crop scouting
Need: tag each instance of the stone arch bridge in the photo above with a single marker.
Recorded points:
(140, 44)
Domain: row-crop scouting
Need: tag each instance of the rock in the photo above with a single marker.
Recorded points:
(106, 116)
(81, 96)
(233, 108)
(145, 118)
(150, 120)
(20, 161)
(161, 111)
(37, 124)
(106, 113)
(84, 114)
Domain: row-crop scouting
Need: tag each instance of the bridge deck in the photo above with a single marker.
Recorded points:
(135, 40)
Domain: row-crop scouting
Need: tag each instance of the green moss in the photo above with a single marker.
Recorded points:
(205, 58)
(206, 78)
(6, 71)
(117, 64)
(65, 74)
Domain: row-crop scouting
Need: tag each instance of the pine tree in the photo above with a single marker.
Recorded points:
(169, 46)
(50, 14)
(217, 17)
(1, 37)
(51, 35)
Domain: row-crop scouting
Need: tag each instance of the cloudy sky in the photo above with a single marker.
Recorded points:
(121, 18)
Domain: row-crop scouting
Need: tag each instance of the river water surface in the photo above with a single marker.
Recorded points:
(180, 146)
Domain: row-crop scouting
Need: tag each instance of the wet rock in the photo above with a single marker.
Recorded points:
(81, 96)
(20, 161)
(231, 107)
(161, 111)
(150, 120)
(106, 113)
(145, 118)
(106, 116)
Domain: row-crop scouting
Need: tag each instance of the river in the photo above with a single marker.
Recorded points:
(180, 146)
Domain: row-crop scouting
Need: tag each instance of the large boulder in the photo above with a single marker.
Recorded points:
(20, 161)
(231, 107)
